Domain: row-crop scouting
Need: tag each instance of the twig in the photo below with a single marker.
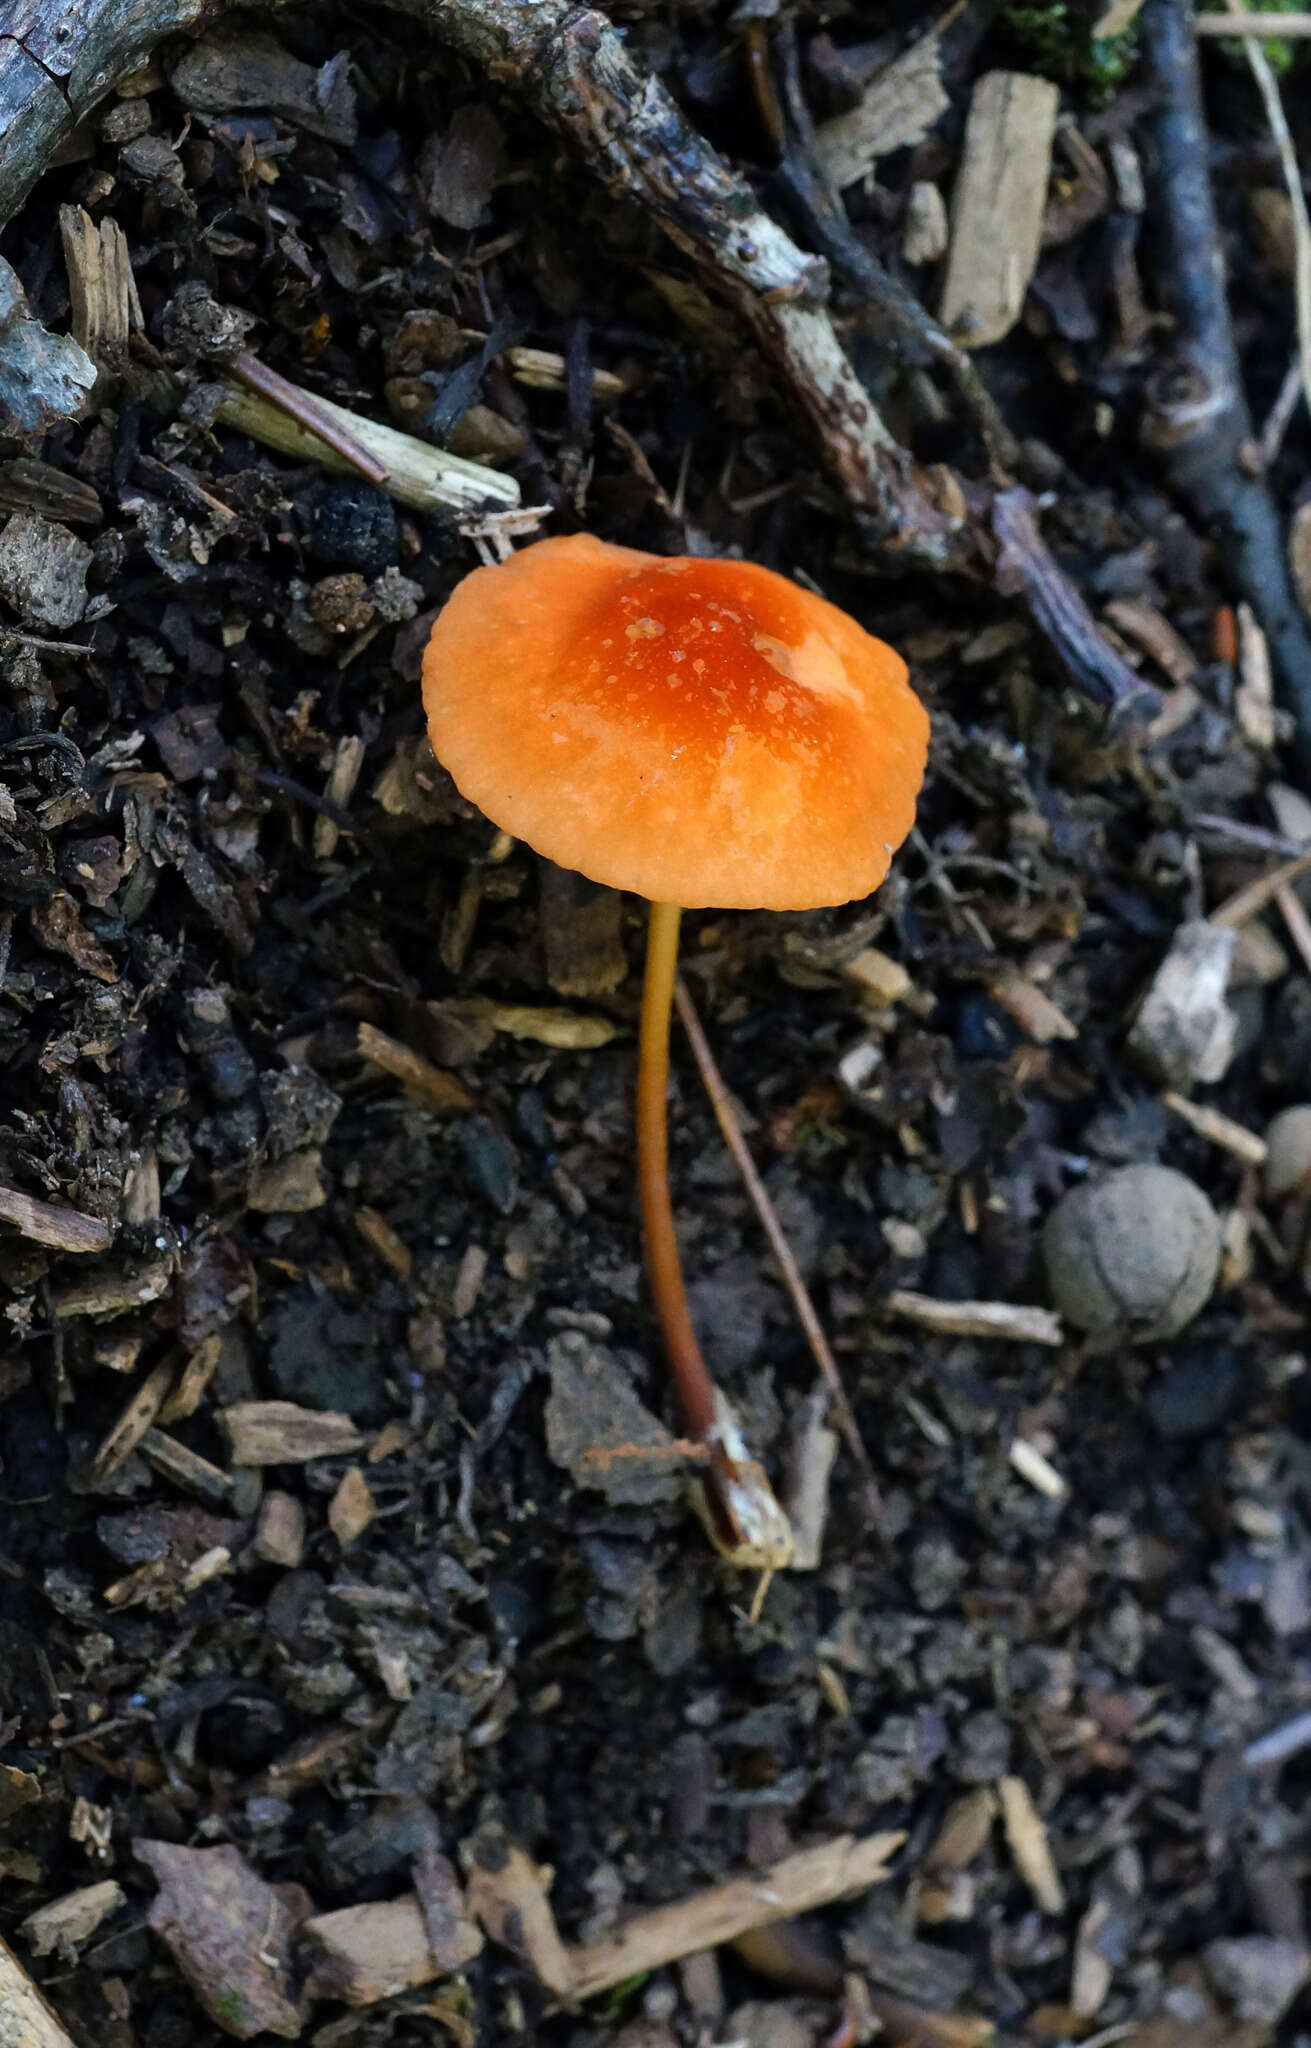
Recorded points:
(1248, 903)
(1197, 417)
(307, 410)
(1281, 1744)
(412, 471)
(1266, 84)
(1269, 25)
(726, 1117)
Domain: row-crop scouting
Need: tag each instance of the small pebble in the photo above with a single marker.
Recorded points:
(1134, 1256)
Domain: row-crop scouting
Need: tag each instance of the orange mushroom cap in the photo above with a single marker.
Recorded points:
(701, 732)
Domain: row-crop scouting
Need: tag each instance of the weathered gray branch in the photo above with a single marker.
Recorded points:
(63, 55)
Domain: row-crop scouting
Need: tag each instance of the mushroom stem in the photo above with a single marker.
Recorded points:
(696, 1393)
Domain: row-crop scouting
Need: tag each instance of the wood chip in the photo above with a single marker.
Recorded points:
(105, 1293)
(421, 1080)
(1027, 1838)
(507, 1893)
(279, 1537)
(964, 1832)
(877, 978)
(565, 1029)
(62, 1926)
(1149, 629)
(366, 1953)
(1254, 699)
(101, 288)
(141, 1410)
(26, 2021)
(280, 1433)
(997, 205)
(346, 766)
(1034, 1012)
(382, 1239)
(1018, 1322)
(1252, 900)
(1041, 1474)
(185, 1468)
(894, 112)
(197, 1373)
(1219, 1128)
(837, 1869)
(64, 1230)
(352, 1507)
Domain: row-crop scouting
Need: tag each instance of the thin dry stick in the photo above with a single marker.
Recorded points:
(1268, 88)
(301, 406)
(1272, 25)
(1251, 901)
(726, 1117)
(1296, 922)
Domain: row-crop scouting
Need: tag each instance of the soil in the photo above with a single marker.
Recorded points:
(473, 1625)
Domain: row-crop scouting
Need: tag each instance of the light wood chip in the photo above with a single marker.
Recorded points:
(894, 112)
(1019, 1322)
(26, 2021)
(280, 1433)
(837, 1869)
(141, 1410)
(64, 1230)
(997, 205)
(370, 1952)
(1219, 1128)
(1026, 1835)
(422, 1081)
(352, 1507)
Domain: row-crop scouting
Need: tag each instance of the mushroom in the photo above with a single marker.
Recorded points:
(703, 733)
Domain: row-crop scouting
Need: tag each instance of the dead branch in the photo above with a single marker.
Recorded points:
(1197, 419)
(575, 70)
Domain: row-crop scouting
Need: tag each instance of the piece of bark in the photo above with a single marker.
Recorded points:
(280, 1433)
(43, 569)
(230, 1935)
(26, 2021)
(365, 1953)
(43, 377)
(65, 1923)
(895, 111)
(997, 205)
(247, 68)
(65, 1230)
